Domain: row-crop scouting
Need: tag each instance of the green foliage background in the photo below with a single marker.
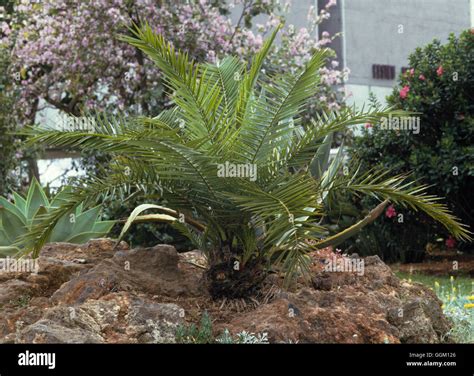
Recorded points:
(444, 146)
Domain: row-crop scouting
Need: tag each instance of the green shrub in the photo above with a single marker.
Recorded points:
(194, 334)
(439, 88)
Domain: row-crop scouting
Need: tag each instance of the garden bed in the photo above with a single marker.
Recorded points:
(90, 293)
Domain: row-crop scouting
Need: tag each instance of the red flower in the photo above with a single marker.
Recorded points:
(368, 125)
(390, 212)
(440, 71)
(450, 242)
(422, 77)
(404, 91)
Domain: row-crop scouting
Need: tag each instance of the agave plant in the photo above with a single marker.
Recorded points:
(18, 217)
(234, 166)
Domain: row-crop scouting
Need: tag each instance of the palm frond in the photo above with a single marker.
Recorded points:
(199, 102)
(284, 99)
(402, 191)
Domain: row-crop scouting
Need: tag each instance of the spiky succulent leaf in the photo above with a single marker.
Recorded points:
(18, 218)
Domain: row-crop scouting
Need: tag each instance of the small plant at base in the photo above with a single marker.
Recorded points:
(22, 301)
(251, 338)
(203, 334)
(193, 334)
(242, 338)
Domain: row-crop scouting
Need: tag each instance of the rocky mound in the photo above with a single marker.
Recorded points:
(93, 294)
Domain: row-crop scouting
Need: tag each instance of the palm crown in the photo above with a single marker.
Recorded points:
(233, 165)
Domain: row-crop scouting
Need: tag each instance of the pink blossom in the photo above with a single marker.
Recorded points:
(368, 125)
(404, 91)
(5, 29)
(421, 77)
(440, 71)
(390, 212)
(412, 72)
(450, 242)
(74, 40)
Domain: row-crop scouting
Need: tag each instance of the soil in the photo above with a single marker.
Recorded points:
(441, 264)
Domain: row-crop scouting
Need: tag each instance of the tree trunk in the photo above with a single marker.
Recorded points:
(33, 171)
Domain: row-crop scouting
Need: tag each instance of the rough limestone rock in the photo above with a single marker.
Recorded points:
(115, 318)
(153, 271)
(26, 295)
(347, 308)
(95, 294)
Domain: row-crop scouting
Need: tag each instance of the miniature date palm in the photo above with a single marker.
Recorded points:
(228, 119)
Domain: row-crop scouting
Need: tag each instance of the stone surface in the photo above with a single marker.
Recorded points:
(344, 307)
(26, 295)
(153, 271)
(93, 294)
(115, 318)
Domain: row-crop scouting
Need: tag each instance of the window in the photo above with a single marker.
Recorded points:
(383, 72)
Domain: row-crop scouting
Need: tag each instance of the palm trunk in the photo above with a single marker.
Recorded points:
(229, 279)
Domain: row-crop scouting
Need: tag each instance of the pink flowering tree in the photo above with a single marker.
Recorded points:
(67, 55)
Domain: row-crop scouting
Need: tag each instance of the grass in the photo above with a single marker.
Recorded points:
(457, 295)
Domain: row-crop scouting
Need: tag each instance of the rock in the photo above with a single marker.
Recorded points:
(115, 318)
(26, 295)
(195, 257)
(93, 294)
(151, 322)
(57, 265)
(322, 282)
(153, 271)
(14, 291)
(345, 307)
(321, 318)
